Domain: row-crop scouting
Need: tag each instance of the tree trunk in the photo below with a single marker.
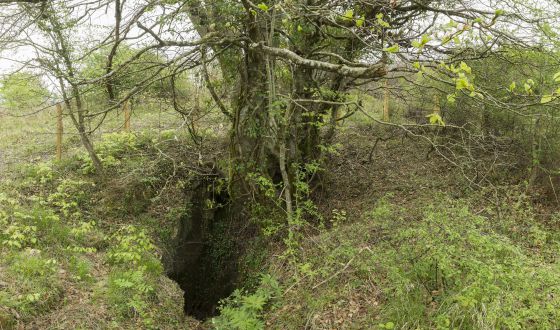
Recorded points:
(78, 121)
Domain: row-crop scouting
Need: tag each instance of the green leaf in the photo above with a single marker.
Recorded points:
(348, 15)
(425, 39)
(255, 301)
(360, 22)
(461, 83)
(262, 6)
(392, 49)
(466, 68)
(451, 98)
(546, 98)
(420, 44)
(476, 94)
(556, 77)
(499, 12)
(512, 86)
(299, 28)
(389, 325)
(452, 24)
(435, 118)
(381, 22)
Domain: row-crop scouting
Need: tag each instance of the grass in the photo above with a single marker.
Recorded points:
(22, 138)
(53, 256)
(422, 252)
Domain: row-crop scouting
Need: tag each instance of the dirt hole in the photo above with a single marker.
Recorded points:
(204, 261)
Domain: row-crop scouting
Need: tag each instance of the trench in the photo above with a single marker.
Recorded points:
(204, 260)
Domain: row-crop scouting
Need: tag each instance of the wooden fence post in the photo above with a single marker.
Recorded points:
(126, 109)
(386, 114)
(59, 131)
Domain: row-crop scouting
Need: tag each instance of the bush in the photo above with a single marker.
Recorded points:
(111, 150)
(28, 225)
(451, 270)
(244, 311)
(435, 267)
(71, 197)
(133, 278)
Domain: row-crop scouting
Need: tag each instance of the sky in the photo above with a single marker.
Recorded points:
(91, 31)
(99, 21)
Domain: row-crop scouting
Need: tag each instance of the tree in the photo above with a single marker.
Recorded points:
(293, 62)
(288, 65)
(126, 79)
(22, 91)
(59, 61)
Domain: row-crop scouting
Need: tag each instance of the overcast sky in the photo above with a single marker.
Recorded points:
(101, 20)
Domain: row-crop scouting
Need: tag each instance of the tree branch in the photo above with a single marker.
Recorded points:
(358, 71)
(22, 1)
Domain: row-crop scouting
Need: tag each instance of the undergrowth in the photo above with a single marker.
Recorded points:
(60, 249)
(443, 267)
(68, 238)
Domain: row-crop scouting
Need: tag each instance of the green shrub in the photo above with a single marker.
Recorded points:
(451, 270)
(129, 291)
(70, 197)
(41, 173)
(19, 236)
(135, 272)
(244, 311)
(132, 247)
(111, 150)
(26, 225)
(435, 267)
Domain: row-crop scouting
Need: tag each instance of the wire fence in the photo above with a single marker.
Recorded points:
(50, 134)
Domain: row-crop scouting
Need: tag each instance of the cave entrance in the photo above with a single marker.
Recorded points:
(204, 262)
